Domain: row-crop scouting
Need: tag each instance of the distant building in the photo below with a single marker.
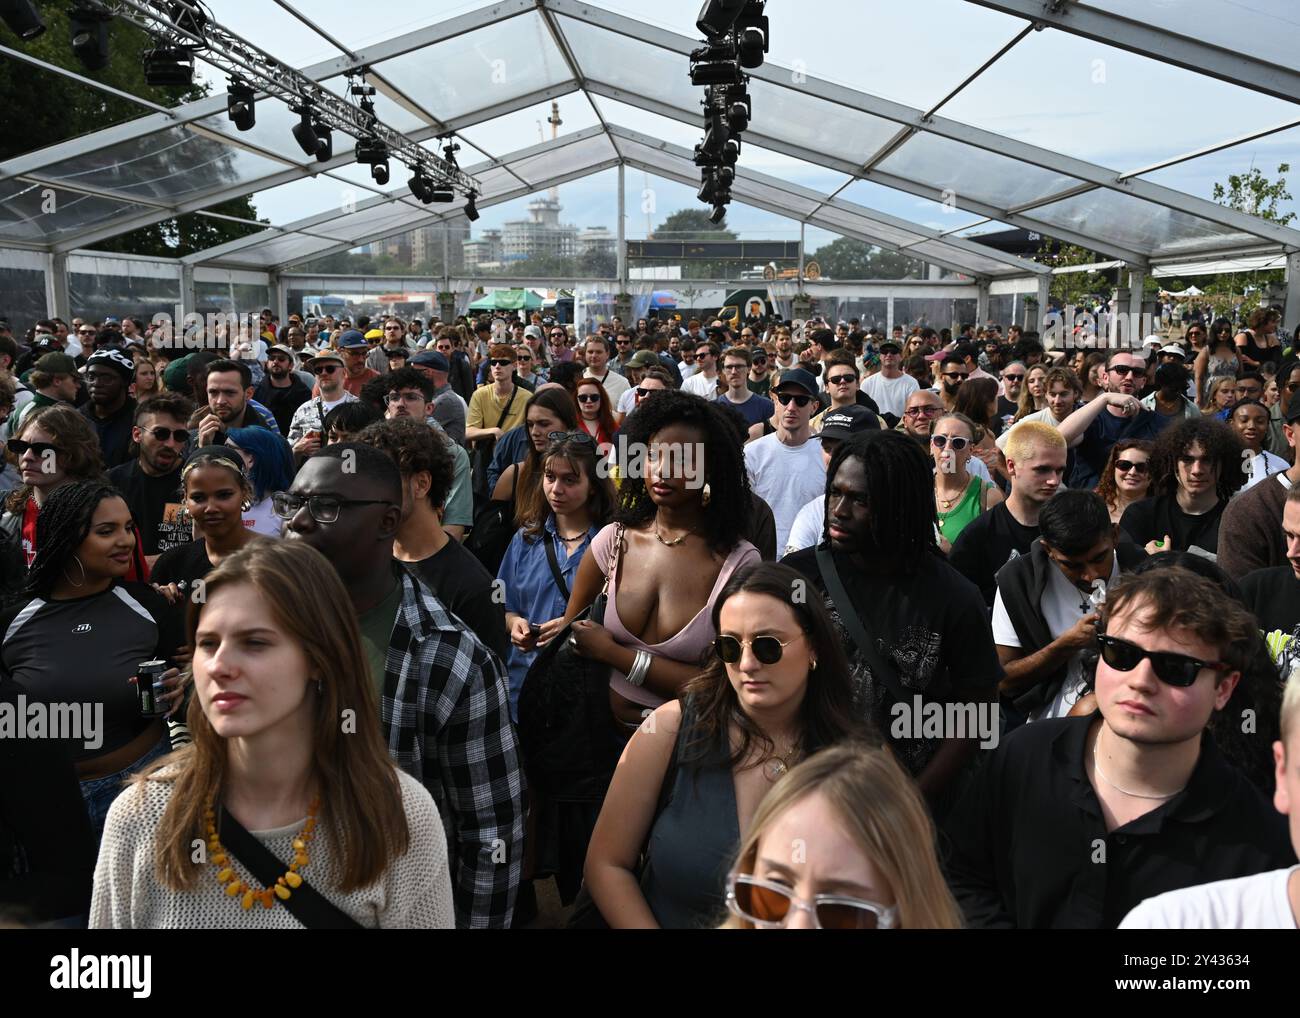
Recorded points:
(482, 252)
(540, 235)
(597, 239)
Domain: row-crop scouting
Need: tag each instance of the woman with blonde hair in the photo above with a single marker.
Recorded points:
(1033, 394)
(303, 821)
(868, 858)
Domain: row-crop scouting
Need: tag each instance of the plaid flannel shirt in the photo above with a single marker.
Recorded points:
(446, 717)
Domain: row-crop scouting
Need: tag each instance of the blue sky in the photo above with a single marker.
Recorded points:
(1087, 100)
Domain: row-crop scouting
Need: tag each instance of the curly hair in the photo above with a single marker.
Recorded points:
(79, 454)
(1221, 445)
(1106, 486)
(414, 447)
(730, 507)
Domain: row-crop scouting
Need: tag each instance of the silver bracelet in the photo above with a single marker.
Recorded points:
(640, 668)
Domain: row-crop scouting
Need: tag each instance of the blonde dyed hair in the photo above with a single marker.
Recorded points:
(1025, 436)
(881, 810)
(1290, 705)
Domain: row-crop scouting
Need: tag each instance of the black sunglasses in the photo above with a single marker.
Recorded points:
(642, 392)
(841, 379)
(800, 400)
(325, 369)
(768, 649)
(501, 364)
(1125, 369)
(1172, 669)
(1124, 466)
(166, 434)
(18, 447)
(588, 397)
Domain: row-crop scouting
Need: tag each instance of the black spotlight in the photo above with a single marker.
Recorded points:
(471, 211)
(738, 114)
(371, 150)
(718, 214)
(22, 19)
(169, 66)
(325, 142)
(717, 16)
(752, 35)
(379, 171)
(89, 32)
(305, 134)
(240, 104)
(442, 196)
(421, 185)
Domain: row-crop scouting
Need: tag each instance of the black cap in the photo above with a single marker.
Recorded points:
(805, 381)
(849, 420)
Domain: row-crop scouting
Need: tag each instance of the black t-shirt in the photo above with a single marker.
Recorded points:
(155, 504)
(83, 650)
(114, 432)
(988, 543)
(465, 587)
(282, 401)
(1152, 518)
(1105, 430)
(931, 624)
(1273, 594)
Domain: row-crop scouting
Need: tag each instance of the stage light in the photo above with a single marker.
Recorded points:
(241, 104)
(738, 114)
(718, 214)
(169, 66)
(471, 210)
(421, 186)
(442, 196)
(89, 34)
(22, 19)
(379, 172)
(325, 142)
(718, 16)
(304, 133)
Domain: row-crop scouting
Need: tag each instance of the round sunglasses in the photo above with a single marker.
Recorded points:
(943, 441)
(768, 649)
(767, 904)
(1172, 669)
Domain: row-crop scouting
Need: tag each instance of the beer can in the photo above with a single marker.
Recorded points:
(149, 688)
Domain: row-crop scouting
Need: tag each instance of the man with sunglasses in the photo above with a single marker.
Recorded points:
(1013, 377)
(306, 430)
(443, 695)
(151, 483)
(889, 386)
(497, 406)
(1045, 613)
(706, 378)
(110, 408)
(1116, 413)
(759, 379)
(354, 350)
(281, 390)
(952, 373)
(785, 468)
(1074, 821)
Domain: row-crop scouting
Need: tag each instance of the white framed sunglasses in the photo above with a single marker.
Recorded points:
(768, 904)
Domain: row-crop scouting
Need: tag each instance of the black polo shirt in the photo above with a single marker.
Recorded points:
(1029, 846)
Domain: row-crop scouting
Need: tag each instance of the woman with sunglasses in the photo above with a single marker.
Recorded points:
(278, 659)
(1127, 477)
(595, 415)
(1033, 394)
(958, 496)
(565, 509)
(869, 863)
(217, 494)
(1216, 360)
(79, 628)
(685, 792)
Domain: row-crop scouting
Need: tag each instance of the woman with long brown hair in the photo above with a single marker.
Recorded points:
(548, 411)
(278, 661)
(775, 691)
(1127, 476)
(1033, 394)
(869, 859)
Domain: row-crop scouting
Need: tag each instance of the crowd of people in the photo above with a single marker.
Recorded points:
(782, 624)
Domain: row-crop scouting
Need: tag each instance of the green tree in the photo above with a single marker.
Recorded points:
(692, 224)
(848, 258)
(53, 109)
(1071, 287)
(1255, 194)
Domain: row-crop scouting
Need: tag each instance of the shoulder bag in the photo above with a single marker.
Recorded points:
(493, 528)
(482, 458)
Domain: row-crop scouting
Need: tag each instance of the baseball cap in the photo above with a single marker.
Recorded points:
(396, 351)
(432, 359)
(758, 351)
(892, 344)
(1173, 348)
(799, 377)
(374, 334)
(643, 359)
(115, 359)
(1152, 341)
(352, 339)
(280, 348)
(840, 424)
(62, 364)
(533, 332)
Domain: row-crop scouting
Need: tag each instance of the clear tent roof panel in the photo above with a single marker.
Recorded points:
(23, 215)
(511, 131)
(934, 214)
(637, 119)
(564, 160)
(482, 68)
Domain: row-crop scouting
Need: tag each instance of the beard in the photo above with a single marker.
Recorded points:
(950, 389)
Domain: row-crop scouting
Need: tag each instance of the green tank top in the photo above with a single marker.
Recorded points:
(956, 519)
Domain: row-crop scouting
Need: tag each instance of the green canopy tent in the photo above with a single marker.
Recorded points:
(508, 300)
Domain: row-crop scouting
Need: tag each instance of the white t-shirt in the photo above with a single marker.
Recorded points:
(1265, 464)
(699, 385)
(890, 394)
(1043, 416)
(627, 401)
(261, 519)
(1062, 606)
(807, 529)
(1257, 902)
(614, 383)
(785, 477)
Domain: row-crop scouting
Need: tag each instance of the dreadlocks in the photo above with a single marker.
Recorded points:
(900, 487)
(62, 525)
(730, 507)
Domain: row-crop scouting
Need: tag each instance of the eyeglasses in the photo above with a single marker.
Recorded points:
(841, 379)
(325, 369)
(85, 332)
(735, 367)
(767, 904)
(404, 397)
(768, 649)
(18, 447)
(321, 508)
(1124, 369)
(760, 360)
(392, 328)
(501, 363)
(785, 398)
(923, 411)
(943, 441)
(1172, 669)
(1124, 466)
(168, 434)
(588, 397)
(1011, 378)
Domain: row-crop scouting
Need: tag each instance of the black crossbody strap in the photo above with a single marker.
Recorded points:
(553, 561)
(307, 904)
(853, 623)
(506, 412)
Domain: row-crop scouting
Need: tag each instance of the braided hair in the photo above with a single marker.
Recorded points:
(62, 525)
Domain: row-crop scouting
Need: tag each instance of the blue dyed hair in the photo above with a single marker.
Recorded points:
(272, 462)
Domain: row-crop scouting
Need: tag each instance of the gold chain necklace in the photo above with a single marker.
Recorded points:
(283, 886)
(776, 765)
(673, 543)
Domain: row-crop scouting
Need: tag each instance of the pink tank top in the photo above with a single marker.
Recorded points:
(686, 646)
